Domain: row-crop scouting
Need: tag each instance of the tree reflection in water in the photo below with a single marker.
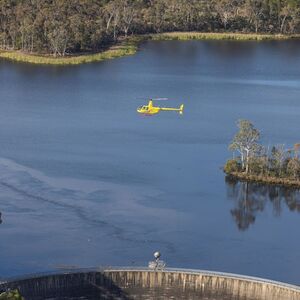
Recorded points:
(0, 217)
(252, 198)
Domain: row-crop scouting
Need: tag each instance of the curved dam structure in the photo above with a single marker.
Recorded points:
(142, 283)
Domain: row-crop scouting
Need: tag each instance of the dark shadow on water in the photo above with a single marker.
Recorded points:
(252, 198)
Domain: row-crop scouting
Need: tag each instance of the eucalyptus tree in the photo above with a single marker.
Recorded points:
(113, 15)
(279, 156)
(289, 14)
(255, 10)
(245, 142)
(226, 10)
(129, 13)
(7, 23)
(25, 17)
(57, 27)
(157, 15)
(293, 168)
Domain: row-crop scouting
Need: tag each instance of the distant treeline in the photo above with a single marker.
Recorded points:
(63, 26)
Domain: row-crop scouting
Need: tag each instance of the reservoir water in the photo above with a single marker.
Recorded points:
(86, 181)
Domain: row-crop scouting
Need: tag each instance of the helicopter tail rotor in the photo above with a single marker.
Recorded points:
(181, 109)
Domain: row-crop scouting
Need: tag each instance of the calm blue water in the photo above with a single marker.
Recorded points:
(86, 181)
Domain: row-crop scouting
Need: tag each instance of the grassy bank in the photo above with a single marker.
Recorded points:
(184, 36)
(288, 182)
(129, 47)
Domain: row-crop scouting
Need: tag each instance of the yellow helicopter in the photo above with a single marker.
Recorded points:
(150, 110)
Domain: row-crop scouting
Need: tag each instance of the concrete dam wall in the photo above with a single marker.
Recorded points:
(126, 283)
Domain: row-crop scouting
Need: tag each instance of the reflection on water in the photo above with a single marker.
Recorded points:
(252, 198)
(0, 217)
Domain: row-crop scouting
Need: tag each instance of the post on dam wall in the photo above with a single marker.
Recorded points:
(126, 283)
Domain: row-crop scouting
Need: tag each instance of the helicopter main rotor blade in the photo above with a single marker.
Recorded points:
(160, 99)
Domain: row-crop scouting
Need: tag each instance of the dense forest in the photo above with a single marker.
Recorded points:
(61, 26)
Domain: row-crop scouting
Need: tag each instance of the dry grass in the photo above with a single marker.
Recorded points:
(289, 182)
(183, 36)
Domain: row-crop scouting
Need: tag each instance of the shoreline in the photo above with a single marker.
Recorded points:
(130, 47)
(285, 182)
(124, 48)
(230, 36)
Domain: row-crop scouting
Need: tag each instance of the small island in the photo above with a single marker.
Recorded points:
(257, 163)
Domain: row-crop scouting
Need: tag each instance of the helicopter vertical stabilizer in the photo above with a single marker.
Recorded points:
(181, 109)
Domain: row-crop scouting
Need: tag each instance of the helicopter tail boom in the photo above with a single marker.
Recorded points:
(180, 109)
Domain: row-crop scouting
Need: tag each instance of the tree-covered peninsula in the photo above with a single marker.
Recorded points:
(61, 27)
(255, 162)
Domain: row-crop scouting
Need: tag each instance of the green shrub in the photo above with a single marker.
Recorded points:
(232, 165)
(258, 165)
(293, 168)
(11, 295)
